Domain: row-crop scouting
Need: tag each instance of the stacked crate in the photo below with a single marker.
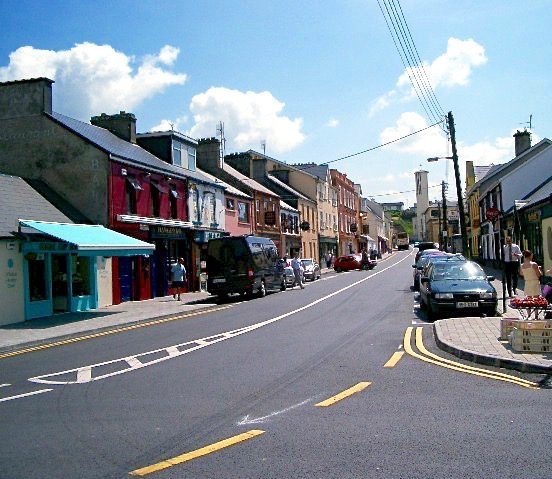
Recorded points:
(530, 336)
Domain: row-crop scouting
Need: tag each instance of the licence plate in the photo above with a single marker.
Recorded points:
(467, 304)
(219, 280)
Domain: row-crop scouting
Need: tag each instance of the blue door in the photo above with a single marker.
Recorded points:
(125, 278)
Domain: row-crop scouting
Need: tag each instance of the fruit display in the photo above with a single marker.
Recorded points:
(529, 302)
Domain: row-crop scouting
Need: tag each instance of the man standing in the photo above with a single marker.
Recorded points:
(178, 273)
(511, 254)
(297, 267)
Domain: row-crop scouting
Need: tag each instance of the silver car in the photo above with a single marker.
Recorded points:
(311, 269)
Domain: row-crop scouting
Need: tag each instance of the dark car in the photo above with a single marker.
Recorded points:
(289, 277)
(452, 286)
(311, 269)
(245, 265)
(423, 260)
(420, 253)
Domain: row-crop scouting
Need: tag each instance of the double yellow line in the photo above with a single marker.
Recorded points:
(431, 358)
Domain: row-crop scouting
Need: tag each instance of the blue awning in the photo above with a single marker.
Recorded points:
(91, 240)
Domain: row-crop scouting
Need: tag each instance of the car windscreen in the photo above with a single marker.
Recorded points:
(306, 262)
(227, 255)
(457, 270)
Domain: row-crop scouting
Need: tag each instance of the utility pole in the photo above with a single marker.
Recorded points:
(463, 230)
(444, 238)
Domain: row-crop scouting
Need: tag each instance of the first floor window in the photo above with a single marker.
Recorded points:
(243, 212)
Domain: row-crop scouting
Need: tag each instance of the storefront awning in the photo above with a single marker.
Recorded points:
(91, 240)
(383, 238)
(368, 238)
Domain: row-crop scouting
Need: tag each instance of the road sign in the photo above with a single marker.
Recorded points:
(492, 214)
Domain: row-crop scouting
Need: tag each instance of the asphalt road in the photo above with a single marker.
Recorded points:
(313, 383)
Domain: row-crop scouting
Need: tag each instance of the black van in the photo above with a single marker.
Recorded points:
(245, 265)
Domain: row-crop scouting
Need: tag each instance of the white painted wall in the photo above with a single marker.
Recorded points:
(12, 286)
(105, 286)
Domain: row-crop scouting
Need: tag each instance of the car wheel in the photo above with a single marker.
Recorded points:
(284, 286)
(338, 270)
(262, 289)
(431, 315)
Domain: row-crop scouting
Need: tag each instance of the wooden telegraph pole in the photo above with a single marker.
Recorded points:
(463, 231)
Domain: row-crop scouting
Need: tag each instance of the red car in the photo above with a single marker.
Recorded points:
(352, 261)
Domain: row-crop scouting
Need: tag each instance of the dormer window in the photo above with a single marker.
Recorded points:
(184, 155)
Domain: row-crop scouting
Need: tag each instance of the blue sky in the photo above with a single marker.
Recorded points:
(315, 80)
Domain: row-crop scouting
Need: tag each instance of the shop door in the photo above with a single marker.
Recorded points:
(125, 278)
(60, 284)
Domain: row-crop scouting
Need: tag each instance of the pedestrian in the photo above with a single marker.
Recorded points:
(297, 267)
(531, 273)
(328, 260)
(511, 255)
(178, 276)
(364, 262)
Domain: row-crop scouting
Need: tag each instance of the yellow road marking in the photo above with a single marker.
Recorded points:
(106, 333)
(344, 394)
(461, 367)
(498, 375)
(397, 355)
(188, 456)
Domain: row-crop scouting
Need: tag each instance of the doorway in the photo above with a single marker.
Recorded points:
(60, 293)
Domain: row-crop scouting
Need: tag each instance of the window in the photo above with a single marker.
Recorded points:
(243, 212)
(132, 187)
(230, 204)
(194, 203)
(80, 269)
(208, 209)
(155, 202)
(184, 155)
(37, 279)
(173, 199)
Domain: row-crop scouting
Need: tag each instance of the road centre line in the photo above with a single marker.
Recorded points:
(19, 396)
(458, 366)
(174, 351)
(344, 394)
(188, 456)
(394, 359)
(111, 331)
(4, 385)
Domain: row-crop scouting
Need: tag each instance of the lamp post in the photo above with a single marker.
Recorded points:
(454, 159)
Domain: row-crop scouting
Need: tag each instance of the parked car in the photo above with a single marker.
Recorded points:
(312, 269)
(423, 260)
(245, 265)
(452, 286)
(420, 253)
(347, 262)
(289, 277)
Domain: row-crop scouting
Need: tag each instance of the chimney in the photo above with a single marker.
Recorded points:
(208, 155)
(25, 98)
(122, 125)
(522, 141)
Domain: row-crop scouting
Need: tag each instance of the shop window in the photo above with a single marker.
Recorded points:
(37, 279)
(80, 270)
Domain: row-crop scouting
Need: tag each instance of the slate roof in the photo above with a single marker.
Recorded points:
(18, 200)
(129, 153)
(229, 188)
(321, 171)
(481, 171)
(542, 193)
(254, 185)
(286, 187)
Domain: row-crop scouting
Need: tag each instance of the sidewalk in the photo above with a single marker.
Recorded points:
(477, 339)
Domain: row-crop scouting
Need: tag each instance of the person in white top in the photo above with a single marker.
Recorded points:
(511, 255)
(178, 273)
(531, 272)
(297, 267)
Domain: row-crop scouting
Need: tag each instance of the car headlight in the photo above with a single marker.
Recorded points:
(488, 295)
(444, 296)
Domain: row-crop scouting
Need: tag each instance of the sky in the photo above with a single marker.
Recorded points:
(312, 81)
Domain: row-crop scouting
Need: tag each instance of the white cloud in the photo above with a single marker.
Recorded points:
(332, 123)
(167, 125)
(431, 142)
(92, 79)
(248, 117)
(452, 68)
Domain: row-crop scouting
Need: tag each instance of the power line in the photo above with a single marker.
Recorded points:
(382, 145)
(401, 192)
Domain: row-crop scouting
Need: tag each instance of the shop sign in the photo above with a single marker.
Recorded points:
(492, 214)
(167, 232)
(452, 215)
(270, 217)
(49, 247)
(534, 216)
(205, 236)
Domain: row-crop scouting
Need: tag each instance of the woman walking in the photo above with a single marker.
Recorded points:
(531, 273)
